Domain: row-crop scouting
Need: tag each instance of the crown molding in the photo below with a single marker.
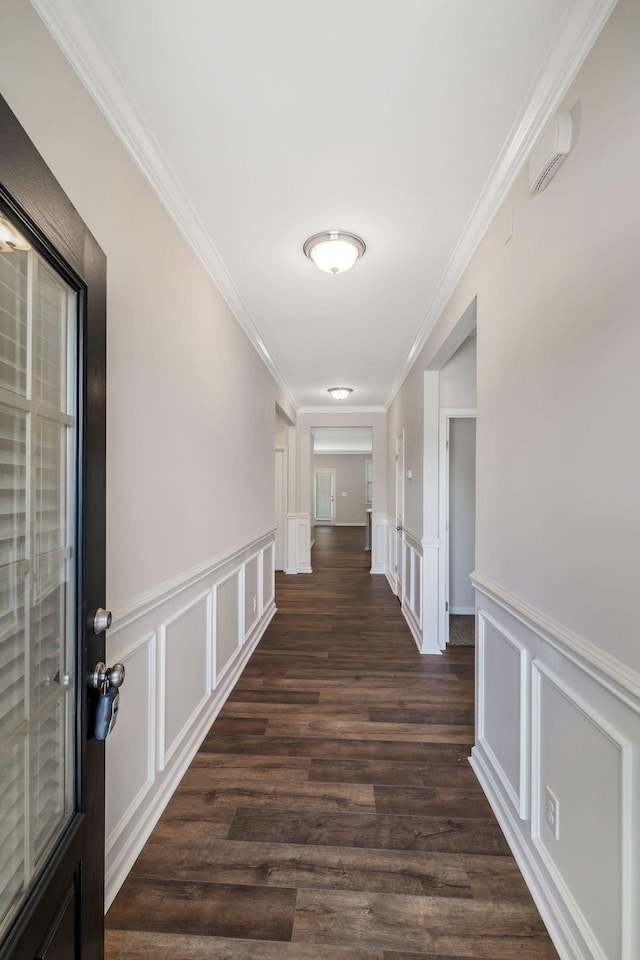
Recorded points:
(71, 28)
(574, 39)
(343, 411)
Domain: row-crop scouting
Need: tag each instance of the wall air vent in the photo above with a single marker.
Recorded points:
(550, 152)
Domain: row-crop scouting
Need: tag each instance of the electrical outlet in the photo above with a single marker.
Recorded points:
(255, 604)
(552, 812)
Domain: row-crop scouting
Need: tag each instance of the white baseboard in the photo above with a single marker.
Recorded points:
(563, 941)
(349, 524)
(463, 611)
(378, 568)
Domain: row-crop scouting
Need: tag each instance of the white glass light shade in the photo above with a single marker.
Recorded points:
(10, 239)
(334, 251)
(340, 393)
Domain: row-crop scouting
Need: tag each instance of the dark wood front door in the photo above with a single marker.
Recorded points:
(52, 562)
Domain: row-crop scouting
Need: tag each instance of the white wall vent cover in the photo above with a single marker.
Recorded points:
(549, 152)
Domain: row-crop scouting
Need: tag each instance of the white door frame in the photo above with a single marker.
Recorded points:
(446, 415)
(332, 471)
(399, 518)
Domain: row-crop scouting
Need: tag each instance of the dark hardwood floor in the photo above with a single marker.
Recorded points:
(331, 813)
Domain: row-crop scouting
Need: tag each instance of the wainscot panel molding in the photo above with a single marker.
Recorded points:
(412, 585)
(503, 728)
(302, 535)
(557, 753)
(430, 595)
(389, 561)
(292, 543)
(379, 548)
(183, 655)
(604, 668)
(137, 608)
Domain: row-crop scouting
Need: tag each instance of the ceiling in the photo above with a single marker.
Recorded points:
(260, 124)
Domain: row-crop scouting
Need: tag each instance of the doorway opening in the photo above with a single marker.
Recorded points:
(342, 478)
(458, 520)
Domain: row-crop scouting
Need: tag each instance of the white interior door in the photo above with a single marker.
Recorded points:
(324, 495)
(399, 538)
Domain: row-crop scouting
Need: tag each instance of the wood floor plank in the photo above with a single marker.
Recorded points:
(187, 852)
(433, 801)
(224, 767)
(393, 773)
(246, 696)
(200, 795)
(433, 713)
(203, 909)
(431, 834)
(411, 923)
(398, 732)
(296, 711)
(145, 945)
(316, 747)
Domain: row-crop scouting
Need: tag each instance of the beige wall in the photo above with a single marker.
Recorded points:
(350, 480)
(184, 383)
(558, 358)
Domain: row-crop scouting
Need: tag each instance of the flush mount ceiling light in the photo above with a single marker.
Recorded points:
(334, 251)
(10, 239)
(340, 393)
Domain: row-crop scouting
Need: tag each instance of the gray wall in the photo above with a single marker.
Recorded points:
(350, 479)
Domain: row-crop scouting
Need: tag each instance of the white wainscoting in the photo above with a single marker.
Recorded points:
(558, 718)
(411, 600)
(183, 647)
(379, 528)
(298, 543)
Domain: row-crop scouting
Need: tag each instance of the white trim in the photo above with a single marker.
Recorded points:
(579, 31)
(562, 936)
(349, 524)
(238, 574)
(292, 543)
(118, 870)
(610, 673)
(303, 543)
(541, 672)
(379, 528)
(148, 640)
(415, 540)
(146, 602)
(342, 453)
(164, 754)
(341, 411)
(414, 626)
(462, 611)
(519, 798)
(258, 611)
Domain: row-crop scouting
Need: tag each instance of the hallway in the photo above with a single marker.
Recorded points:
(330, 812)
